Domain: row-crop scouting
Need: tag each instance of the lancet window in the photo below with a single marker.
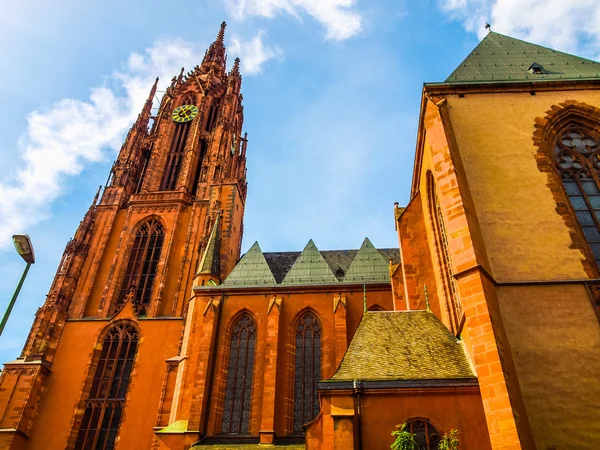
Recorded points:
(238, 389)
(143, 262)
(176, 153)
(578, 163)
(425, 433)
(104, 404)
(307, 370)
(212, 116)
(454, 306)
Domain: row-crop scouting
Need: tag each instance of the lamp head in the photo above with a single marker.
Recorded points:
(24, 247)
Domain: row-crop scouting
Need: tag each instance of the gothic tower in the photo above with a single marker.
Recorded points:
(169, 217)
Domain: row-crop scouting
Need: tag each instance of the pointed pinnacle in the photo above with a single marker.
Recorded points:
(236, 67)
(221, 35)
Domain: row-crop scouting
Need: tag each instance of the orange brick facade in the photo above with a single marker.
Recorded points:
(184, 318)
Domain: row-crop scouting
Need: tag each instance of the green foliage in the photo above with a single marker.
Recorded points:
(450, 441)
(404, 439)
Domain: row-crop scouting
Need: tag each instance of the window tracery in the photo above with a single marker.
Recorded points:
(104, 404)
(238, 389)
(577, 160)
(142, 264)
(427, 437)
(176, 152)
(307, 370)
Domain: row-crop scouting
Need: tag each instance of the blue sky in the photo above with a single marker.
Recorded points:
(331, 92)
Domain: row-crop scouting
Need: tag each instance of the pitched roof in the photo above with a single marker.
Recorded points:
(368, 264)
(406, 345)
(503, 58)
(251, 270)
(310, 267)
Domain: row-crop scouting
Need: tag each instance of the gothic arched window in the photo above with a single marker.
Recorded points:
(307, 370)
(213, 113)
(425, 433)
(143, 262)
(454, 307)
(176, 152)
(104, 404)
(238, 389)
(578, 163)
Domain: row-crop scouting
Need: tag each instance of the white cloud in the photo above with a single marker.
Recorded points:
(73, 134)
(338, 16)
(253, 53)
(572, 26)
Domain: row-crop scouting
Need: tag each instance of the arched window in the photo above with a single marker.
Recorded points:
(578, 163)
(213, 113)
(425, 433)
(143, 261)
(307, 370)
(104, 404)
(238, 390)
(176, 152)
(454, 307)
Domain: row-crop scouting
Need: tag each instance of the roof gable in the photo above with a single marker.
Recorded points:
(503, 58)
(368, 265)
(310, 267)
(251, 270)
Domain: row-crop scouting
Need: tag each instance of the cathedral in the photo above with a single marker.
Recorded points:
(157, 333)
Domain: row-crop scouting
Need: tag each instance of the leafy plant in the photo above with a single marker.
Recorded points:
(404, 439)
(450, 441)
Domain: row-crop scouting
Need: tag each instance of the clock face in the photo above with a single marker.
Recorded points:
(184, 113)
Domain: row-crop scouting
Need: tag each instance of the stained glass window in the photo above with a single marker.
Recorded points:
(238, 389)
(143, 262)
(307, 370)
(104, 404)
(426, 436)
(578, 163)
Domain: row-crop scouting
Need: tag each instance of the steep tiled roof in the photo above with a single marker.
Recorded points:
(503, 58)
(368, 264)
(280, 263)
(310, 267)
(251, 270)
(408, 345)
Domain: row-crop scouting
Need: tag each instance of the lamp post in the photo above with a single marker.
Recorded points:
(25, 249)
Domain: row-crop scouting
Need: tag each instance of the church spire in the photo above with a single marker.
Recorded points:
(216, 52)
(144, 117)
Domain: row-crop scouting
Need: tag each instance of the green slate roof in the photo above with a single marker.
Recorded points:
(257, 269)
(368, 264)
(310, 267)
(407, 345)
(251, 270)
(503, 58)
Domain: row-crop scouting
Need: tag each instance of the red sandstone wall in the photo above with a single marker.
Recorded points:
(321, 303)
(159, 341)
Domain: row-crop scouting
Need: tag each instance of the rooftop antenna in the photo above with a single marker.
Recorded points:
(488, 26)
(364, 298)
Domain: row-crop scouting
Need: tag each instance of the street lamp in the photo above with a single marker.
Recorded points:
(25, 249)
